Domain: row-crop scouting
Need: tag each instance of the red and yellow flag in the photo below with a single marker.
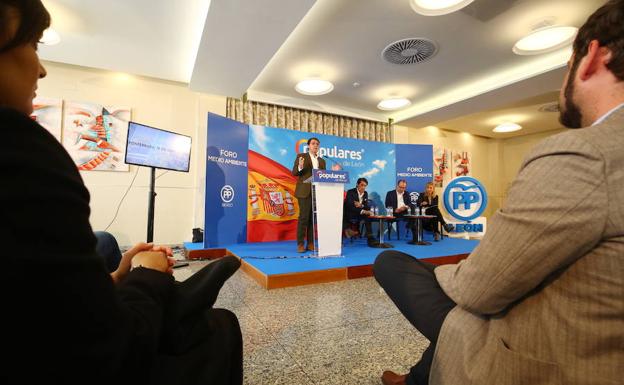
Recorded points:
(272, 209)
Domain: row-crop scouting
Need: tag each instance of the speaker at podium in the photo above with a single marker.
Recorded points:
(327, 206)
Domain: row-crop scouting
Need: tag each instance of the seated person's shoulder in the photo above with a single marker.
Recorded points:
(572, 141)
(11, 120)
(26, 142)
(15, 124)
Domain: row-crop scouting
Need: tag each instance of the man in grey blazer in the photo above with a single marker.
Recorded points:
(541, 299)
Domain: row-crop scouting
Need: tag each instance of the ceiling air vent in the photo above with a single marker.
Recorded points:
(550, 107)
(409, 51)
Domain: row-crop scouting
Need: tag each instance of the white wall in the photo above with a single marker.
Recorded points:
(163, 104)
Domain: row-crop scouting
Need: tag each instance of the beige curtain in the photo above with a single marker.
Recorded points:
(305, 120)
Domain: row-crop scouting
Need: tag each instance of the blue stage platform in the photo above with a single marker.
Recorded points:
(277, 264)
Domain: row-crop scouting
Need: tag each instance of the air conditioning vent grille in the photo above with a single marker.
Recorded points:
(409, 51)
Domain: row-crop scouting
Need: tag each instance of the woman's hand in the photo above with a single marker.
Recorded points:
(145, 255)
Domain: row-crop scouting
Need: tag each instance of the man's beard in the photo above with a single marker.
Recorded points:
(571, 115)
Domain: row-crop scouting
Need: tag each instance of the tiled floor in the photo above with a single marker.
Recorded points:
(336, 333)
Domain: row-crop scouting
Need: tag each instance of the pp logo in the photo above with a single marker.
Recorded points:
(465, 198)
(227, 193)
(414, 197)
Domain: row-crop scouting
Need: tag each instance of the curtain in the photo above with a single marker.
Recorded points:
(273, 115)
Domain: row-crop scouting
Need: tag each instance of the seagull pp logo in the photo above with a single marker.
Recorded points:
(465, 198)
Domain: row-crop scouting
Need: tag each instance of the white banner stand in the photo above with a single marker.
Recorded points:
(327, 204)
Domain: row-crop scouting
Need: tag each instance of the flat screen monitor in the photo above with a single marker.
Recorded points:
(152, 147)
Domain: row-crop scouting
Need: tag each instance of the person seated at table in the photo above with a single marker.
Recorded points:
(399, 201)
(428, 202)
(357, 209)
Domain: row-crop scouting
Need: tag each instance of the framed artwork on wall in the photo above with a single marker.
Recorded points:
(95, 135)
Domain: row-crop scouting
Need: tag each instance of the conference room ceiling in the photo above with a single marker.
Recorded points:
(535, 114)
(263, 48)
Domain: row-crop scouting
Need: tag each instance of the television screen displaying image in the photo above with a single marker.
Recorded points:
(152, 147)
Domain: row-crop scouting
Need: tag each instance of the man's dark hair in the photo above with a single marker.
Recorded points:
(361, 180)
(607, 26)
(33, 20)
(401, 181)
(313, 138)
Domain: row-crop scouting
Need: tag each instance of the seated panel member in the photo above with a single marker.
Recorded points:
(428, 201)
(356, 208)
(399, 200)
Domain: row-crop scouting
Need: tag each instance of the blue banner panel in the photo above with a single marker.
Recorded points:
(414, 163)
(226, 182)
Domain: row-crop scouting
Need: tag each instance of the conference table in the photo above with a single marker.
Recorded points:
(382, 219)
(419, 228)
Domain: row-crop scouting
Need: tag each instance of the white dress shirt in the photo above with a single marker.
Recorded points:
(603, 117)
(400, 202)
(360, 199)
(315, 162)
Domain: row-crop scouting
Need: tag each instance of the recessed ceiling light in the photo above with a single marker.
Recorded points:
(544, 40)
(50, 37)
(393, 104)
(314, 87)
(438, 7)
(507, 127)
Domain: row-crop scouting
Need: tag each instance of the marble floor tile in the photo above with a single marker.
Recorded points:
(265, 361)
(276, 376)
(255, 335)
(357, 353)
(317, 307)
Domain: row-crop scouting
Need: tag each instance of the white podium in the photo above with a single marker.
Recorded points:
(327, 204)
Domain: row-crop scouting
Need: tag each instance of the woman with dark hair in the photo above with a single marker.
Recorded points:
(66, 319)
(428, 202)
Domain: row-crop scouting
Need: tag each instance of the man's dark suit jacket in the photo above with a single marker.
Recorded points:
(303, 190)
(391, 200)
(352, 212)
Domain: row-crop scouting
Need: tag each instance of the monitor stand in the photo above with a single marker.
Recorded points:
(150, 207)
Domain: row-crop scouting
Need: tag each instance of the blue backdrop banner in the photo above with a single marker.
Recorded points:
(250, 188)
(226, 182)
(374, 161)
(414, 163)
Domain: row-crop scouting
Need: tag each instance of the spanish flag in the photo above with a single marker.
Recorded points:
(272, 209)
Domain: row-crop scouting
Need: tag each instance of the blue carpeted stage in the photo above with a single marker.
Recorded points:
(277, 264)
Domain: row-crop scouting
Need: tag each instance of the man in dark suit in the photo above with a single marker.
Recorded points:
(356, 208)
(399, 200)
(302, 169)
